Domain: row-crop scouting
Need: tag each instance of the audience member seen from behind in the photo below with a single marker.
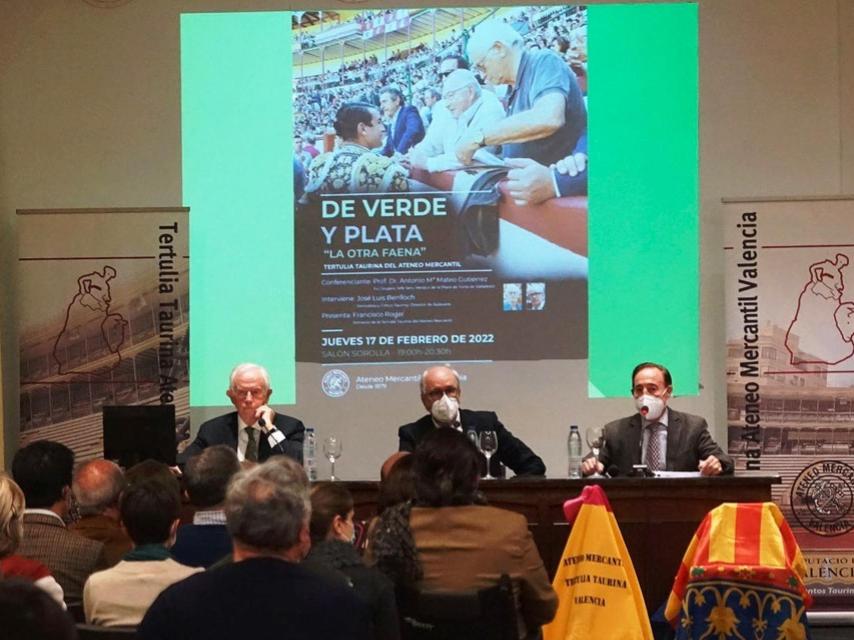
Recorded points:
(13, 566)
(206, 540)
(332, 536)
(264, 593)
(448, 543)
(28, 613)
(397, 485)
(97, 486)
(120, 596)
(152, 470)
(43, 470)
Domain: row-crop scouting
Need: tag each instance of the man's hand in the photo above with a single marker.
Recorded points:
(529, 181)
(572, 165)
(590, 466)
(711, 466)
(268, 414)
(466, 148)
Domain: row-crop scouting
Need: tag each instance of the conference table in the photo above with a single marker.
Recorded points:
(657, 516)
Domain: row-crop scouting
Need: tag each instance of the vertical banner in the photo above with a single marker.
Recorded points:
(104, 317)
(790, 372)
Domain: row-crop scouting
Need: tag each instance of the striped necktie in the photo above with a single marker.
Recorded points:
(653, 448)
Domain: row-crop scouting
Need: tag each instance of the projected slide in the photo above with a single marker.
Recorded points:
(374, 190)
(441, 222)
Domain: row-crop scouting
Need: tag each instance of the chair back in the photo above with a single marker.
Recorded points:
(487, 614)
(75, 610)
(96, 632)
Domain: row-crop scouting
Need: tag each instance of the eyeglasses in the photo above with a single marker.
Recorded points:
(435, 394)
(255, 392)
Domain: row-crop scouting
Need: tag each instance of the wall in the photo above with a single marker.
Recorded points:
(89, 117)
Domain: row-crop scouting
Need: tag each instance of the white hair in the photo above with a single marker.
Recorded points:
(487, 34)
(266, 508)
(461, 78)
(249, 367)
(422, 383)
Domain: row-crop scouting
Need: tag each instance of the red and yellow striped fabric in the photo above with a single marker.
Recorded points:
(751, 542)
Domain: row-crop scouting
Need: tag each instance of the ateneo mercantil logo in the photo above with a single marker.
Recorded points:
(823, 496)
(335, 383)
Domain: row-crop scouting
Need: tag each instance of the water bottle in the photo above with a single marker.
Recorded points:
(309, 447)
(573, 446)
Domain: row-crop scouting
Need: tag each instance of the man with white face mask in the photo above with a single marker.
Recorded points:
(657, 436)
(440, 395)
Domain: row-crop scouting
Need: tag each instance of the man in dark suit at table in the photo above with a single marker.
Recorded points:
(440, 395)
(255, 431)
(405, 128)
(661, 438)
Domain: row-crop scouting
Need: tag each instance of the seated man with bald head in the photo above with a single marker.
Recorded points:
(440, 395)
(468, 106)
(97, 487)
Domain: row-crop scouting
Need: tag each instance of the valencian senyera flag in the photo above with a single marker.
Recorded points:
(598, 591)
(741, 578)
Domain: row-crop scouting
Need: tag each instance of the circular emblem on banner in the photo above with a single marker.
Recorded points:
(335, 383)
(823, 498)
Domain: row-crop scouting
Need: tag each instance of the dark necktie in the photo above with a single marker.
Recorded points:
(653, 448)
(251, 446)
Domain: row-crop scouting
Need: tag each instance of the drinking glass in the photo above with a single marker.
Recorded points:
(488, 445)
(595, 437)
(332, 449)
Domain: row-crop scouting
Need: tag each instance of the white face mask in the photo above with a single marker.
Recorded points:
(445, 409)
(650, 407)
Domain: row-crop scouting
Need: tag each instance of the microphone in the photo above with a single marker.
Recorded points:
(613, 471)
(262, 423)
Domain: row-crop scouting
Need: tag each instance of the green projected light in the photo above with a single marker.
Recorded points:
(238, 183)
(643, 195)
(643, 225)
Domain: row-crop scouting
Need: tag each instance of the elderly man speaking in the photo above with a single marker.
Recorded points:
(546, 110)
(470, 108)
(440, 395)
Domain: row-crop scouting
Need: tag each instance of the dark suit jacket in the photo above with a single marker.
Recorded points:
(71, 558)
(408, 132)
(223, 430)
(260, 598)
(688, 442)
(511, 451)
(200, 545)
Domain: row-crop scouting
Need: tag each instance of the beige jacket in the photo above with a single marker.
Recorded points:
(465, 548)
(119, 597)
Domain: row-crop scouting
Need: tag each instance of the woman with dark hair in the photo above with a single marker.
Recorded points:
(445, 541)
(332, 533)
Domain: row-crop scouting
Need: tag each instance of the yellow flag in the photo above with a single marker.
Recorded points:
(598, 591)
